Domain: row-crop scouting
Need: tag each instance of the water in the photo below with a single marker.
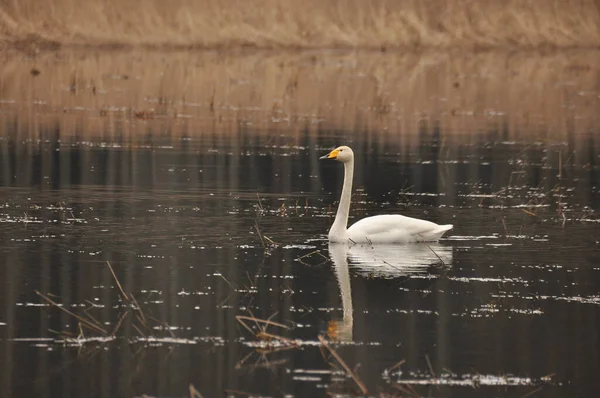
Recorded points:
(202, 229)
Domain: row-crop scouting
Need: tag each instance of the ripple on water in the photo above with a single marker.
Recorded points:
(465, 380)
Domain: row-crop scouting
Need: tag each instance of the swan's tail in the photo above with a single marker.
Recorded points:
(439, 231)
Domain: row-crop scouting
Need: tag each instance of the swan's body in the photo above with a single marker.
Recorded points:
(393, 228)
(386, 228)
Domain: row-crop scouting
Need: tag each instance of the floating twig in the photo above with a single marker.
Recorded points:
(430, 367)
(84, 321)
(117, 280)
(299, 259)
(194, 393)
(532, 392)
(433, 251)
(407, 389)
(349, 371)
(257, 320)
(118, 325)
(398, 364)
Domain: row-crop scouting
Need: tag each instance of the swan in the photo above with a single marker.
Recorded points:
(385, 228)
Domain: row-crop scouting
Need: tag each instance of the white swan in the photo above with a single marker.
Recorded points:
(386, 228)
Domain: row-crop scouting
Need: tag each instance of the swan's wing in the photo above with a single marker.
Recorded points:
(395, 227)
(389, 222)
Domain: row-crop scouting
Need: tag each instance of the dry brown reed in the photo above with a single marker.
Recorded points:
(141, 321)
(516, 96)
(273, 342)
(193, 392)
(267, 343)
(87, 322)
(407, 389)
(377, 24)
(345, 366)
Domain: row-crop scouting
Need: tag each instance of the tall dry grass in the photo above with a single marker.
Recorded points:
(391, 96)
(305, 24)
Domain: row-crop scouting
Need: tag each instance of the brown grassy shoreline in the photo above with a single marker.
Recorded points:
(312, 24)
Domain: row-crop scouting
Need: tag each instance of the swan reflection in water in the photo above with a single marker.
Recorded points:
(380, 261)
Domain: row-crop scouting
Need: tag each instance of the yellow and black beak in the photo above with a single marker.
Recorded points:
(331, 155)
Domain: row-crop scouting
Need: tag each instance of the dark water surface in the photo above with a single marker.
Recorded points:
(203, 229)
(509, 297)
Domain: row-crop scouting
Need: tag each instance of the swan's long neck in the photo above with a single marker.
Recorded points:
(338, 229)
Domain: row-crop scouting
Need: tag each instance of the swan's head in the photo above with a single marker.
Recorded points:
(341, 154)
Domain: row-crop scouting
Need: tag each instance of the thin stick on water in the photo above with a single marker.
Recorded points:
(433, 251)
(532, 392)
(270, 240)
(85, 322)
(139, 314)
(248, 328)
(252, 283)
(505, 229)
(511, 176)
(398, 364)
(311, 253)
(81, 334)
(271, 317)
(301, 261)
(119, 323)
(259, 202)
(229, 283)
(91, 317)
(405, 390)
(138, 330)
(559, 165)
(548, 377)
(194, 393)
(259, 234)
(412, 389)
(530, 213)
(346, 368)
(430, 367)
(239, 392)
(138, 309)
(264, 335)
(257, 320)
(431, 370)
(241, 362)
(165, 325)
(117, 281)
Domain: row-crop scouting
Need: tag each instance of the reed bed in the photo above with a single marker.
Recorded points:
(380, 24)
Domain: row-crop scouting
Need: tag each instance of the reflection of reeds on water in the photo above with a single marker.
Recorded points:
(377, 24)
(124, 96)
